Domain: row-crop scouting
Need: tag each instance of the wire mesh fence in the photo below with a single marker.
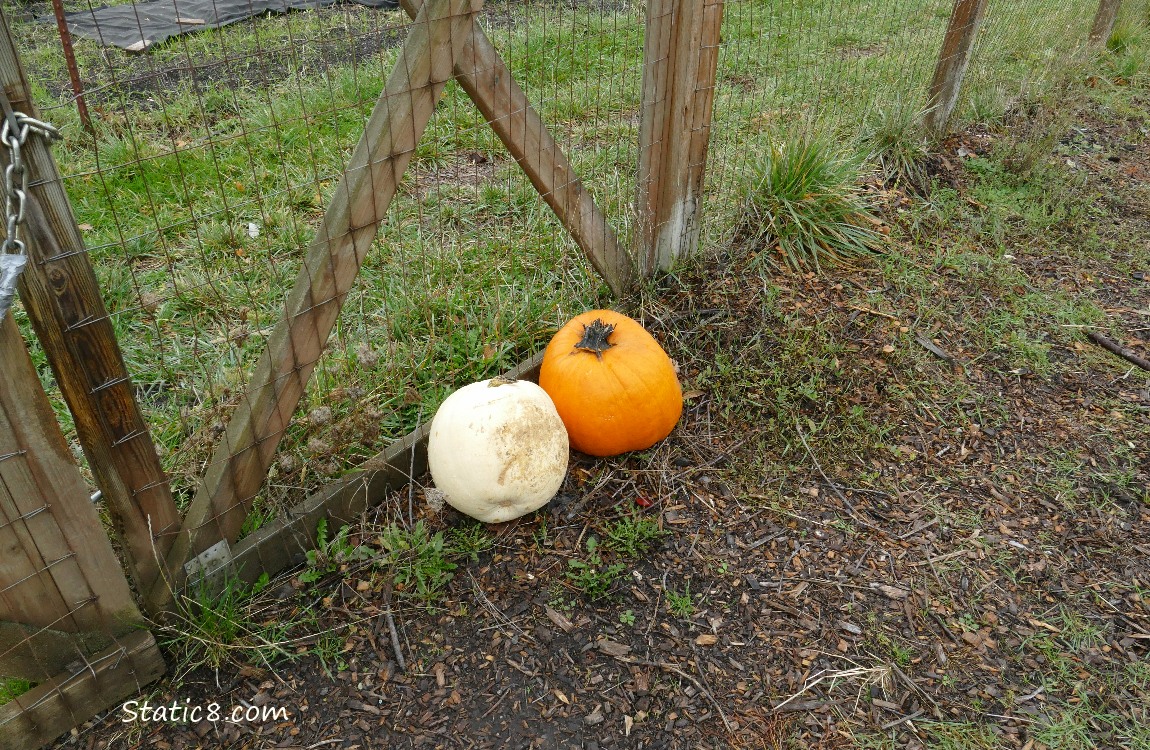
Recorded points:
(205, 180)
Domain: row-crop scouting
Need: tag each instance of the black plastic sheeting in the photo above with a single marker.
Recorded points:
(137, 26)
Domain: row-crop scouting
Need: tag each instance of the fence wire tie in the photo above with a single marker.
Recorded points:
(83, 666)
(24, 517)
(14, 133)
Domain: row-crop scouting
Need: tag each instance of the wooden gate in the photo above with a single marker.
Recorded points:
(68, 622)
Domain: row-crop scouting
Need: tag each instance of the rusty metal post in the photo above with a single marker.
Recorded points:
(70, 59)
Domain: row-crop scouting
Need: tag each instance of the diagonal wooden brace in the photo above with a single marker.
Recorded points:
(486, 79)
(401, 114)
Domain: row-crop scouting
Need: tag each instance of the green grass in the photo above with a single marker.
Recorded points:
(12, 687)
(470, 540)
(802, 206)
(471, 273)
(591, 574)
(681, 605)
(226, 626)
(634, 535)
(333, 554)
(416, 560)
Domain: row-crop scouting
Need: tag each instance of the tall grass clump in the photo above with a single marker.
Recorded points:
(225, 627)
(893, 135)
(1130, 54)
(1127, 35)
(802, 207)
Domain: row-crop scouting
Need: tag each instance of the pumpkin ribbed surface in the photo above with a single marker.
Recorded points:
(613, 385)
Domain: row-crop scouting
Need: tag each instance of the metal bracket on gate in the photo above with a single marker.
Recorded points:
(210, 565)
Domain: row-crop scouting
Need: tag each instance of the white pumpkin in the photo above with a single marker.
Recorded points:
(497, 449)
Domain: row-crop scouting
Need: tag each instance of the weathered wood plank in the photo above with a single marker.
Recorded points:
(482, 73)
(953, 59)
(38, 654)
(678, 90)
(1104, 20)
(284, 542)
(654, 119)
(62, 298)
(57, 567)
(241, 460)
(39, 716)
(694, 66)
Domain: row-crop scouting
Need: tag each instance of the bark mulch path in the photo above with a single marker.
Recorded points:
(931, 542)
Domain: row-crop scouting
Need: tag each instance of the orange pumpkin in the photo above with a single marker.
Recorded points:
(613, 385)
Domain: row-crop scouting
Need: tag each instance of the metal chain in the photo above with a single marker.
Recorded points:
(14, 133)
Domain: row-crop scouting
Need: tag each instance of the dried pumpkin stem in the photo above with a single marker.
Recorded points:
(499, 380)
(595, 338)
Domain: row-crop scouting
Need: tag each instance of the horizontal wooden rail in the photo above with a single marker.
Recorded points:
(50, 709)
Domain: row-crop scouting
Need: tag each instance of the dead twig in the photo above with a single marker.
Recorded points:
(501, 619)
(674, 669)
(879, 674)
(900, 720)
(924, 341)
(873, 312)
(387, 616)
(849, 505)
(1115, 348)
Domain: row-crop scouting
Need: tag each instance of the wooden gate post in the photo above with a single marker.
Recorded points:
(62, 298)
(1104, 21)
(957, 45)
(680, 58)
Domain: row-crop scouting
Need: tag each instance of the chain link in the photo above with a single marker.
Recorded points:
(16, 174)
(14, 134)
